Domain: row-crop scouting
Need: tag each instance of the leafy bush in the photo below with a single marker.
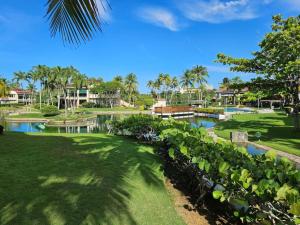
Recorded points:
(88, 105)
(37, 106)
(209, 110)
(262, 189)
(50, 110)
(138, 126)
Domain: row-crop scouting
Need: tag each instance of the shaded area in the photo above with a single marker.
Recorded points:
(81, 179)
(209, 210)
(277, 130)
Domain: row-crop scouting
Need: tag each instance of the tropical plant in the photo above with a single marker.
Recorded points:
(4, 87)
(258, 189)
(131, 86)
(49, 110)
(277, 60)
(200, 75)
(76, 20)
(187, 82)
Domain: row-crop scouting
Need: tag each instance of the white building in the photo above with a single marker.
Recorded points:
(17, 96)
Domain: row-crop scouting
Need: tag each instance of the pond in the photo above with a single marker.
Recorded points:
(232, 109)
(97, 126)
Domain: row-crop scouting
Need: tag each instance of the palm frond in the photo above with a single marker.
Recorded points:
(75, 20)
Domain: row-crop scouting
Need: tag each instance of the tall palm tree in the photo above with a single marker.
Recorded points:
(174, 86)
(131, 85)
(63, 78)
(118, 78)
(187, 82)
(19, 78)
(76, 20)
(79, 81)
(151, 86)
(200, 73)
(4, 87)
(40, 73)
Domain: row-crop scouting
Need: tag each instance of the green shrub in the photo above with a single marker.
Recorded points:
(37, 106)
(258, 189)
(209, 110)
(50, 110)
(88, 105)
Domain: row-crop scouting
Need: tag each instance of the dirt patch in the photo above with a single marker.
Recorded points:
(188, 212)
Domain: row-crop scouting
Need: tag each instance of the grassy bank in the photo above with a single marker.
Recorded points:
(114, 109)
(276, 129)
(60, 117)
(81, 179)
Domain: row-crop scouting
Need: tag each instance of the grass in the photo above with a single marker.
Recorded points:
(81, 179)
(60, 117)
(115, 109)
(276, 128)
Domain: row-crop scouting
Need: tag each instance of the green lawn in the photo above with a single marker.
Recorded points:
(276, 128)
(81, 179)
(115, 109)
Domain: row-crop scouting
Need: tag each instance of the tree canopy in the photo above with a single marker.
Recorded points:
(277, 61)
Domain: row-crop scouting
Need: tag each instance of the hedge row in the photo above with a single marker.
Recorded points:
(209, 110)
(261, 189)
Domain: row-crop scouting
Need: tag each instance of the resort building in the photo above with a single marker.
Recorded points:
(17, 96)
(84, 95)
(227, 96)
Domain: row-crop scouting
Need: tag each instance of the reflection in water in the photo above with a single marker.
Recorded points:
(201, 122)
(97, 125)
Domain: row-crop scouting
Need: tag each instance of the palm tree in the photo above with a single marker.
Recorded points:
(187, 82)
(19, 77)
(40, 74)
(157, 85)
(173, 85)
(151, 86)
(225, 82)
(79, 81)
(4, 87)
(63, 78)
(76, 20)
(166, 82)
(131, 85)
(200, 73)
(118, 78)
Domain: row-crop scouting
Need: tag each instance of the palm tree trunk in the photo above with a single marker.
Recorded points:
(65, 99)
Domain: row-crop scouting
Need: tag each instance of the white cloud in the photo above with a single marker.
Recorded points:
(218, 11)
(159, 17)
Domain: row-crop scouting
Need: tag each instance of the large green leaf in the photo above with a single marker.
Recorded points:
(75, 20)
(217, 194)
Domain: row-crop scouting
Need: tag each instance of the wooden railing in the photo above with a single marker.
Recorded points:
(173, 109)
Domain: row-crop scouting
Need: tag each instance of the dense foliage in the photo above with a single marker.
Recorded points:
(261, 189)
(209, 110)
(50, 110)
(277, 60)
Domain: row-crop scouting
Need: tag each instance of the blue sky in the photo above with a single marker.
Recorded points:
(144, 37)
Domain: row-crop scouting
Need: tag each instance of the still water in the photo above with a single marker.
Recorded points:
(97, 125)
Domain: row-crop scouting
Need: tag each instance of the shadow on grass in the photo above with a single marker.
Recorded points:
(66, 180)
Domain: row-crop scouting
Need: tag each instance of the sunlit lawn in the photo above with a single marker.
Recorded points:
(276, 128)
(81, 179)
